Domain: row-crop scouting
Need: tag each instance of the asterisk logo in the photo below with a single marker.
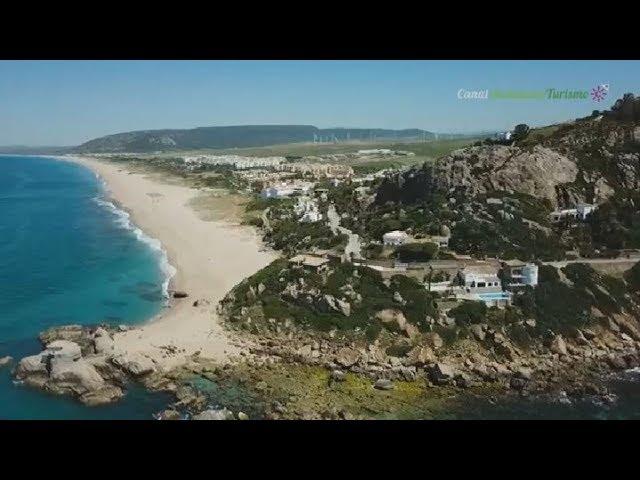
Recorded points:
(598, 93)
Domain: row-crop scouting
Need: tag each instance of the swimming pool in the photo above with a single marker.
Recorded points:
(494, 296)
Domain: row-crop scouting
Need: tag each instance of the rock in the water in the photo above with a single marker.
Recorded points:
(63, 349)
(558, 345)
(32, 365)
(4, 361)
(103, 344)
(222, 414)
(383, 384)
(169, 415)
(106, 394)
(78, 376)
(242, 415)
(72, 333)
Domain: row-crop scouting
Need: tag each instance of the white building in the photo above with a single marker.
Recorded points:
(395, 238)
(307, 210)
(312, 215)
(279, 191)
(584, 209)
(581, 212)
(519, 274)
(376, 151)
(504, 136)
(441, 240)
(483, 279)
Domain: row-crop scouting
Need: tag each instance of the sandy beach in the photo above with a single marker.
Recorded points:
(210, 258)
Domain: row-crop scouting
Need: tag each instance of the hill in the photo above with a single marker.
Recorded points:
(236, 137)
(37, 150)
(497, 198)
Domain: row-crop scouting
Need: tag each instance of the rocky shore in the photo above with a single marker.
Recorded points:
(80, 361)
(572, 363)
(276, 368)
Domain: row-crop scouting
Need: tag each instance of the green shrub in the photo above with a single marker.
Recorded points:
(417, 252)
(468, 312)
(632, 277)
(398, 350)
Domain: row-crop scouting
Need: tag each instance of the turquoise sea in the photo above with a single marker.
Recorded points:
(69, 256)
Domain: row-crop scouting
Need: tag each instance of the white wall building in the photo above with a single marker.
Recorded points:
(581, 212)
(307, 210)
(483, 279)
(519, 274)
(280, 191)
(396, 237)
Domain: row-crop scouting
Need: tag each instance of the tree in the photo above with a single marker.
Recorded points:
(520, 132)
(417, 252)
(469, 312)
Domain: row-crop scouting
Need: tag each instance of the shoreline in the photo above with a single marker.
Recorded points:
(208, 259)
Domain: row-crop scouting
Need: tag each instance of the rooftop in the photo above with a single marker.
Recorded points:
(514, 263)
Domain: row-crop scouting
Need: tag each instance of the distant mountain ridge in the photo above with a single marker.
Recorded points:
(237, 137)
(33, 150)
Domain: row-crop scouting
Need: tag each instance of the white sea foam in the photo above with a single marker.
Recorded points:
(123, 219)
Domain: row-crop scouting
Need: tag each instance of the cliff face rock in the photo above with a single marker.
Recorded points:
(587, 160)
(540, 172)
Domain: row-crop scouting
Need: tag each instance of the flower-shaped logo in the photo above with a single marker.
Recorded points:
(599, 93)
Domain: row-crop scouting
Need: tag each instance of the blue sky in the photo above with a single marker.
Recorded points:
(69, 102)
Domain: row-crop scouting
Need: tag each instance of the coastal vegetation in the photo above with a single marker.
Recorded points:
(345, 298)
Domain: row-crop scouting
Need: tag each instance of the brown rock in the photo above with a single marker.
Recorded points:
(420, 355)
(347, 357)
(558, 345)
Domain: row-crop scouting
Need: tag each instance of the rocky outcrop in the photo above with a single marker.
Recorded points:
(222, 414)
(511, 169)
(4, 361)
(61, 369)
(539, 172)
(558, 345)
(81, 362)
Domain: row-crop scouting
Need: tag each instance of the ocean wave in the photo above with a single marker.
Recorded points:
(123, 219)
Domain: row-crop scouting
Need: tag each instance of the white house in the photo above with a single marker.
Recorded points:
(376, 151)
(519, 274)
(504, 136)
(582, 211)
(396, 237)
(279, 191)
(479, 278)
(441, 240)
